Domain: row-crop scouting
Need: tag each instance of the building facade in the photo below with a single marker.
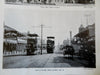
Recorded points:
(13, 42)
(86, 37)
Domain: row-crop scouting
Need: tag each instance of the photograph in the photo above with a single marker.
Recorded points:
(48, 38)
(50, 2)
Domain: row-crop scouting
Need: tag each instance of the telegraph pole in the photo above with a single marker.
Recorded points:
(41, 26)
(70, 37)
(41, 37)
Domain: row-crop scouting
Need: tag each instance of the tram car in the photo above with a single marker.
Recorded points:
(50, 44)
(31, 44)
(68, 50)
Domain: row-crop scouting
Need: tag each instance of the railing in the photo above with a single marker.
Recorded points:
(10, 53)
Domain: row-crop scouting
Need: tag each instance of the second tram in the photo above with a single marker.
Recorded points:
(50, 44)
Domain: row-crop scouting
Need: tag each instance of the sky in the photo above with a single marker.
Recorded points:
(57, 23)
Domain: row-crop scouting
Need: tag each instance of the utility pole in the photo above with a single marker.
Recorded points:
(70, 37)
(41, 26)
(41, 37)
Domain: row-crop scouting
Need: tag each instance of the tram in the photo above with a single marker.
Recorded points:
(31, 44)
(50, 44)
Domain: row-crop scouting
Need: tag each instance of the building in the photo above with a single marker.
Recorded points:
(13, 42)
(86, 33)
(66, 42)
(10, 39)
(86, 37)
(81, 28)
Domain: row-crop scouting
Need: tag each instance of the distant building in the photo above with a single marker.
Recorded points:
(81, 28)
(66, 42)
(87, 32)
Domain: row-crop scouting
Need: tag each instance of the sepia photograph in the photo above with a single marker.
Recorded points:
(48, 38)
(50, 2)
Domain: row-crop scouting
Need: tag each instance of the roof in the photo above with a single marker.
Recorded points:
(9, 29)
(33, 35)
(86, 31)
(83, 34)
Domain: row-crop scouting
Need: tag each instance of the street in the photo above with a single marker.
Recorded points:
(42, 61)
(49, 38)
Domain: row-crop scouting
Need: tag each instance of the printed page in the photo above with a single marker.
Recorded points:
(49, 37)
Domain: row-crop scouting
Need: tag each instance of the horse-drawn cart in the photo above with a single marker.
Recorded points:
(68, 50)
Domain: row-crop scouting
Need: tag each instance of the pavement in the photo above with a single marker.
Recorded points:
(53, 60)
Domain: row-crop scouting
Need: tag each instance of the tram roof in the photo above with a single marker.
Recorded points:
(50, 37)
(33, 35)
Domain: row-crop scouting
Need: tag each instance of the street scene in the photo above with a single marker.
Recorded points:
(50, 2)
(49, 39)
